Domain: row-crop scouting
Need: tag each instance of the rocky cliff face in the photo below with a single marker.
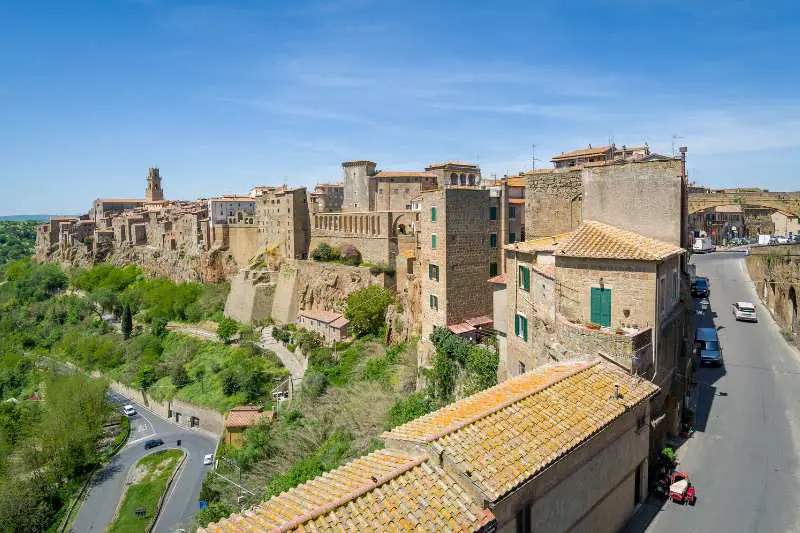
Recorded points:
(213, 266)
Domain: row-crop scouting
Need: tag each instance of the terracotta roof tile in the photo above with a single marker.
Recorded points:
(601, 241)
(322, 316)
(246, 416)
(599, 150)
(387, 490)
(507, 434)
(539, 244)
(516, 181)
(500, 279)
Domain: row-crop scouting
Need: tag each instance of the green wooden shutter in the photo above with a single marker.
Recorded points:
(493, 240)
(492, 213)
(433, 242)
(433, 214)
(601, 306)
(524, 328)
(516, 325)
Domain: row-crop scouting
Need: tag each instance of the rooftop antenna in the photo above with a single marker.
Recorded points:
(533, 157)
(674, 138)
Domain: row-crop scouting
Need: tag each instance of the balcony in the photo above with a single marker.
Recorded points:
(629, 348)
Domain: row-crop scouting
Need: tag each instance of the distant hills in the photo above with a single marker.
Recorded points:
(19, 218)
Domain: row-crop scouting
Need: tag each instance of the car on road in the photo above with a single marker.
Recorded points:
(153, 443)
(744, 311)
(707, 347)
(701, 287)
(208, 459)
(129, 410)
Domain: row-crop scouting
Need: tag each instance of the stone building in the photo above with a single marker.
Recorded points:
(561, 448)
(153, 192)
(456, 174)
(326, 198)
(600, 154)
(231, 209)
(283, 221)
(104, 208)
(333, 326)
(786, 224)
(601, 291)
(459, 248)
(366, 189)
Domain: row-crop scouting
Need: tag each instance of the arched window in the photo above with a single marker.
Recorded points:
(453, 179)
(462, 179)
(472, 179)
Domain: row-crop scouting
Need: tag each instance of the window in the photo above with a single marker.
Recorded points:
(434, 302)
(493, 240)
(674, 286)
(512, 212)
(433, 214)
(433, 272)
(492, 269)
(521, 368)
(601, 306)
(521, 326)
(523, 520)
(433, 241)
(524, 278)
(512, 237)
(493, 213)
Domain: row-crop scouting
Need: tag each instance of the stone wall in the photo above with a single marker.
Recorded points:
(644, 197)
(775, 272)
(632, 284)
(243, 243)
(175, 410)
(251, 296)
(552, 202)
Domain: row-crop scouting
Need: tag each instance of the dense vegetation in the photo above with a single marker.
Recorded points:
(346, 254)
(16, 241)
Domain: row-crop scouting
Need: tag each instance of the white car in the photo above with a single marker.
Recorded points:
(129, 410)
(745, 311)
(208, 459)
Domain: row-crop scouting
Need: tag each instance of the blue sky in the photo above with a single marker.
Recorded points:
(225, 95)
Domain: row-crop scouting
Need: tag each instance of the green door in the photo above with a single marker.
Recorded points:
(601, 306)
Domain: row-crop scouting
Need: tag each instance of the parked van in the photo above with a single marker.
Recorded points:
(707, 347)
(703, 245)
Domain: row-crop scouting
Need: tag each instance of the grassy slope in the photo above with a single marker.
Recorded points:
(145, 493)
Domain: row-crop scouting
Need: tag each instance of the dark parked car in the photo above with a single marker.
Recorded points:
(701, 287)
(152, 443)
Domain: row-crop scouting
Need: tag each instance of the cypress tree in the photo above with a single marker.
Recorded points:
(127, 321)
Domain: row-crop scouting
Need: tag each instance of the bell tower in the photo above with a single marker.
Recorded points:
(154, 192)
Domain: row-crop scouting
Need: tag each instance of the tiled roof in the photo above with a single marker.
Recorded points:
(601, 241)
(539, 244)
(340, 322)
(599, 150)
(452, 163)
(500, 280)
(404, 174)
(517, 201)
(322, 316)
(516, 181)
(505, 435)
(245, 416)
(386, 490)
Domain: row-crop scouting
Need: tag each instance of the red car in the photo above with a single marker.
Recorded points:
(681, 489)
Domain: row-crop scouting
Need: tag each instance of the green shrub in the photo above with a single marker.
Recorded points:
(324, 252)
(407, 409)
(291, 347)
(227, 328)
(314, 384)
(366, 309)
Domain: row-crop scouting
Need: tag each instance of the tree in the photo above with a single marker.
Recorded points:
(366, 309)
(230, 383)
(127, 322)
(180, 377)
(146, 376)
(158, 327)
(227, 328)
(199, 375)
(324, 252)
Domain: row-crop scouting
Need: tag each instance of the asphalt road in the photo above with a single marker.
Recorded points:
(743, 457)
(107, 485)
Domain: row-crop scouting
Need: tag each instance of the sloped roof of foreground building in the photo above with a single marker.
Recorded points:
(494, 440)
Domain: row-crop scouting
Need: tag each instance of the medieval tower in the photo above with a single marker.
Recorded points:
(154, 192)
(356, 185)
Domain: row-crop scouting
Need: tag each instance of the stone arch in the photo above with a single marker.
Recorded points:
(791, 303)
(462, 179)
(471, 179)
(453, 179)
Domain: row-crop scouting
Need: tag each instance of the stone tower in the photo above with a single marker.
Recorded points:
(356, 185)
(154, 192)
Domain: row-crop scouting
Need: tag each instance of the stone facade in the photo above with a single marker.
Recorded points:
(251, 295)
(393, 191)
(282, 217)
(333, 326)
(640, 196)
(153, 192)
(462, 257)
(326, 198)
(356, 184)
(372, 233)
(775, 271)
(552, 202)
(456, 174)
(231, 210)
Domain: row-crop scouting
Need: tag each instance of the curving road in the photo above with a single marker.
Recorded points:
(107, 485)
(743, 457)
